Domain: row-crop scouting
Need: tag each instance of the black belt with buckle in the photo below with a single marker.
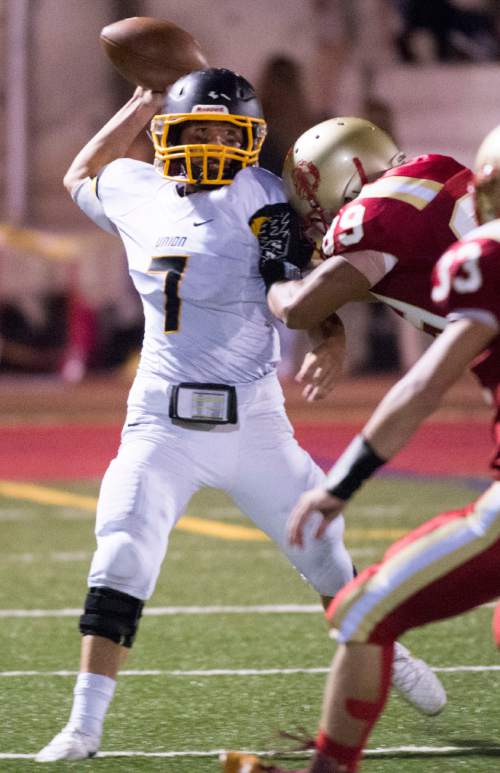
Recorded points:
(206, 403)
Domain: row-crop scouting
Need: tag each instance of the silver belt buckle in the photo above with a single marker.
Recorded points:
(206, 403)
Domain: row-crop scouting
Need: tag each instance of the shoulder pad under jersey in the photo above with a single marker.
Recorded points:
(431, 166)
(124, 183)
(254, 188)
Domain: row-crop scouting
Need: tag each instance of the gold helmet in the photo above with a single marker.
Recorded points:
(487, 178)
(329, 164)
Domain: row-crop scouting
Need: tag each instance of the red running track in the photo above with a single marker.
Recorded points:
(38, 453)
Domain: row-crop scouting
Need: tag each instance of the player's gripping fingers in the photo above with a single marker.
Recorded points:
(320, 387)
(299, 517)
(315, 379)
(311, 502)
(311, 392)
(154, 99)
(301, 514)
(307, 369)
(329, 507)
(319, 372)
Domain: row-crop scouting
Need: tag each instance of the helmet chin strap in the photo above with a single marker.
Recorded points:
(360, 170)
(397, 160)
(356, 182)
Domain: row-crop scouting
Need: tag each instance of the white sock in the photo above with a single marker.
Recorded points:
(91, 698)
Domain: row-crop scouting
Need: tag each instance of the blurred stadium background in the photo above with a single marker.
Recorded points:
(66, 306)
(70, 328)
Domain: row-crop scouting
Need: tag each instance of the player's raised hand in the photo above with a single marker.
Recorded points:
(313, 501)
(149, 97)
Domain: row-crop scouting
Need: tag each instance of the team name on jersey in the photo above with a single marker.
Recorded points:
(171, 241)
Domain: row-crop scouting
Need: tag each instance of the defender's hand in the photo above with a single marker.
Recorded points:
(320, 371)
(311, 502)
(322, 367)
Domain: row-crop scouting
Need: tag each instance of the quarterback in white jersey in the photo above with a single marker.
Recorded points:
(206, 407)
(195, 263)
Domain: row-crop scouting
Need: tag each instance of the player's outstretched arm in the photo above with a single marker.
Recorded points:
(115, 137)
(307, 302)
(418, 394)
(393, 422)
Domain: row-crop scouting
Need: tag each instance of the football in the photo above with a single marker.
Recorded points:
(151, 52)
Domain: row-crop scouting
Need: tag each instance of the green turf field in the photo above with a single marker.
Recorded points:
(228, 674)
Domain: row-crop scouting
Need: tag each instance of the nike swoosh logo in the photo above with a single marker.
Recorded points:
(204, 222)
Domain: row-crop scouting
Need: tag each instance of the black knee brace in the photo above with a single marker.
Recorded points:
(111, 614)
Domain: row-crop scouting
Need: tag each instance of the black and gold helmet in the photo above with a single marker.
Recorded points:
(207, 95)
(328, 165)
(487, 178)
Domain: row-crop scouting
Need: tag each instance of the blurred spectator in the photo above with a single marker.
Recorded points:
(286, 108)
(458, 31)
(288, 113)
(32, 337)
(36, 340)
(334, 25)
(72, 307)
(32, 299)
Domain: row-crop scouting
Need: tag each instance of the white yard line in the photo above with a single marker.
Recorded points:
(378, 752)
(257, 609)
(236, 671)
(190, 672)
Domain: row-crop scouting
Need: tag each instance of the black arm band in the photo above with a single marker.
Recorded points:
(355, 465)
(284, 252)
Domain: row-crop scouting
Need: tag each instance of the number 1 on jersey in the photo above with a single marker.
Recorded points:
(173, 266)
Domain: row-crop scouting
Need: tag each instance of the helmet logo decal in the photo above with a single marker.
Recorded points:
(210, 109)
(217, 95)
(306, 178)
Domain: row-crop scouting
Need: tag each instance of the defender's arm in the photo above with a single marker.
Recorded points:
(302, 303)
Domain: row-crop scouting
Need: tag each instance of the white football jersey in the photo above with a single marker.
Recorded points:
(195, 263)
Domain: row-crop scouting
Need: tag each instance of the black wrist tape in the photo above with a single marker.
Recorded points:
(355, 465)
(284, 252)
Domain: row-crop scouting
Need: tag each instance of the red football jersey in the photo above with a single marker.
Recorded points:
(412, 214)
(466, 281)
